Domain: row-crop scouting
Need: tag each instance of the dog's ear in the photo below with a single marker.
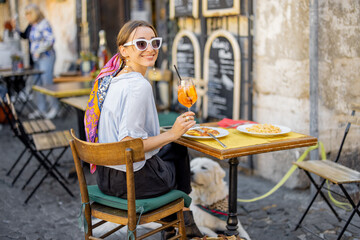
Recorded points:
(219, 174)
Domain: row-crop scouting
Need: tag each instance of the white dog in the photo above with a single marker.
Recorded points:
(210, 191)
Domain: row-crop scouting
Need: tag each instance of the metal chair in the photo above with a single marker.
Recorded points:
(30, 127)
(40, 146)
(336, 173)
(130, 212)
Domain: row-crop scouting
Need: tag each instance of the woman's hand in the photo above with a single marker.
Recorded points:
(13, 23)
(182, 124)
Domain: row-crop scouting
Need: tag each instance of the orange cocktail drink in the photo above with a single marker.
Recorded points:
(187, 93)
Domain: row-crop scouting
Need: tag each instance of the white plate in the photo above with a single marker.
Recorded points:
(284, 130)
(222, 133)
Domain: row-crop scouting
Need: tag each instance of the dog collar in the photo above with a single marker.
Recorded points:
(218, 209)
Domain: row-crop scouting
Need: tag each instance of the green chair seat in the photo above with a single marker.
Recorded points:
(146, 204)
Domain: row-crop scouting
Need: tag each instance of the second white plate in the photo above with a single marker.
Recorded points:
(242, 128)
(222, 133)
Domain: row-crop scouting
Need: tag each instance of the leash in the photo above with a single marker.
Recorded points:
(343, 205)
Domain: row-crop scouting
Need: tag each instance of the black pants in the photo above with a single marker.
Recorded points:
(165, 171)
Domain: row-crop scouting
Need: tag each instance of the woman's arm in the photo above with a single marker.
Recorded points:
(180, 127)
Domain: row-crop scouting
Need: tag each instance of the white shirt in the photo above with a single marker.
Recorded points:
(129, 110)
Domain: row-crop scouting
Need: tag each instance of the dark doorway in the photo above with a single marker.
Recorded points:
(109, 15)
(113, 14)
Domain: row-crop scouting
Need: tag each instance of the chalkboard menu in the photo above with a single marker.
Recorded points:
(213, 8)
(222, 73)
(184, 8)
(219, 4)
(186, 56)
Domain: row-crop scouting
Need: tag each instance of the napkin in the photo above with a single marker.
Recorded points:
(230, 123)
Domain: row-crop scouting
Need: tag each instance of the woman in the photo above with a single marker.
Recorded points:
(125, 100)
(42, 53)
(121, 107)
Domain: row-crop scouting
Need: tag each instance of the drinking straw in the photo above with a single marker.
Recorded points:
(177, 71)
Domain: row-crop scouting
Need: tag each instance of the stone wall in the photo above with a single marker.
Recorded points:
(281, 93)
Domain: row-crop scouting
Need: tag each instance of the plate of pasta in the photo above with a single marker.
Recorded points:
(195, 133)
(263, 130)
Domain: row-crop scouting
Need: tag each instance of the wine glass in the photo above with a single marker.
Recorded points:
(186, 92)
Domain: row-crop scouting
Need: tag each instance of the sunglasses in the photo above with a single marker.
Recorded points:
(142, 44)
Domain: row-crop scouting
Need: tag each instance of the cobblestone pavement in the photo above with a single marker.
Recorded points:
(52, 214)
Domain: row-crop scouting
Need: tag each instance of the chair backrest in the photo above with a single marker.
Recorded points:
(349, 119)
(117, 153)
(109, 153)
(11, 115)
(16, 124)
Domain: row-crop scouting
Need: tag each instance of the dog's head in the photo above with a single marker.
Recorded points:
(206, 172)
(207, 181)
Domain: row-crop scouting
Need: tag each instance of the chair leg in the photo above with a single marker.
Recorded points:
(318, 188)
(37, 169)
(21, 170)
(46, 161)
(87, 218)
(31, 177)
(16, 162)
(50, 170)
(55, 169)
(52, 173)
(355, 210)
(323, 195)
(180, 216)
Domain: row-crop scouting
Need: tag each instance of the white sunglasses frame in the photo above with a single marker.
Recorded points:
(133, 42)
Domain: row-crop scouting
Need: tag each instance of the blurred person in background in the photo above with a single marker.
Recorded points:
(42, 52)
(25, 35)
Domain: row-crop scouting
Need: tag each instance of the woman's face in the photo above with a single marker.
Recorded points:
(139, 60)
(30, 16)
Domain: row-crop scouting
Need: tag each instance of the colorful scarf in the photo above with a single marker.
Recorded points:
(96, 99)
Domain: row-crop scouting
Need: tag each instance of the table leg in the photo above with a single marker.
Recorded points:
(232, 220)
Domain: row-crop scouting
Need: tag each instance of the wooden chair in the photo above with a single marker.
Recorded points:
(40, 146)
(336, 173)
(130, 212)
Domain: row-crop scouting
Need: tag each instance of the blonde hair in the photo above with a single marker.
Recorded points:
(33, 8)
(128, 28)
